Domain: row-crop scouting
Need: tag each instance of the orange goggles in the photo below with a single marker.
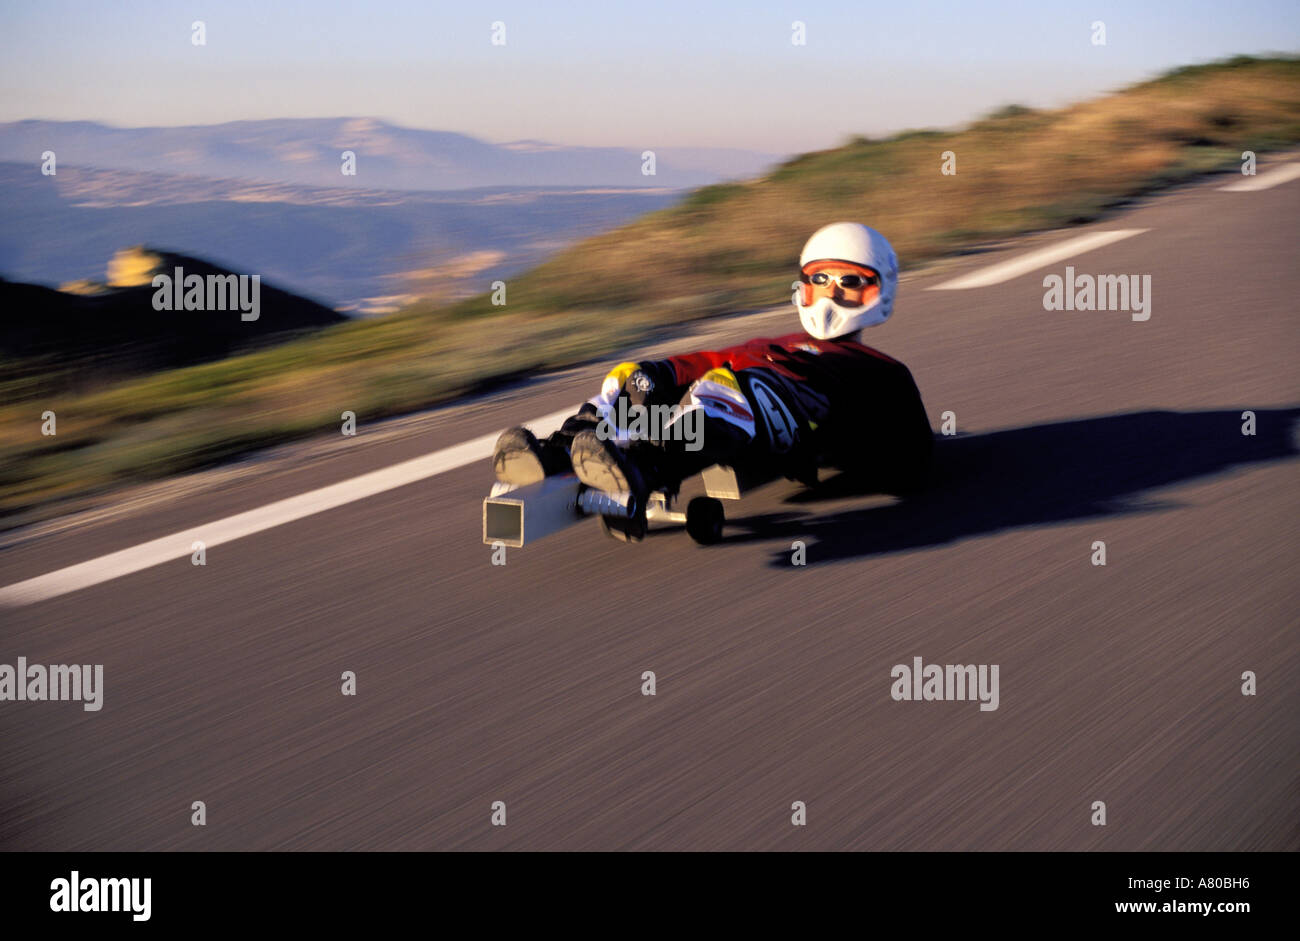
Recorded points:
(849, 282)
(854, 281)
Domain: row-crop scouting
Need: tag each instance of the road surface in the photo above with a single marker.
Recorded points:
(522, 683)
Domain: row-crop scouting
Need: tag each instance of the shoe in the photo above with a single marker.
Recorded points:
(520, 459)
(603, 465)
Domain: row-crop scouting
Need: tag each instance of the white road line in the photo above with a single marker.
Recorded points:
(1014, 268)
(178, 545)
(1270, 178)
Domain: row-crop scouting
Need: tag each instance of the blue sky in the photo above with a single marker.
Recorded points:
(639, 74)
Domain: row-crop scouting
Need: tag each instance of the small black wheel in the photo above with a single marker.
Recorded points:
(623, 529)
(704, 519)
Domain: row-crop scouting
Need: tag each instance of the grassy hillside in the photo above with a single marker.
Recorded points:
(725, 248)
(1017, 170)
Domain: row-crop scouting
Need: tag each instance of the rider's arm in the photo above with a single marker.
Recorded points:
(691, 366)
(654, 382)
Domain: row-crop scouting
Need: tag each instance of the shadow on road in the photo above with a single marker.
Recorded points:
(1042, 474)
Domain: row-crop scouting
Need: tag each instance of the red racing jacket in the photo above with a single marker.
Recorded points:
(797, 356)
(844, 390)
(847, 399)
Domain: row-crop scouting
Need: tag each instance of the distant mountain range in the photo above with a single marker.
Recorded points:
(306, 151)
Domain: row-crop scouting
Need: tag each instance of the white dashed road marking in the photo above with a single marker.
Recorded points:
(1266, 180)
(178, 545)
(1014, 268)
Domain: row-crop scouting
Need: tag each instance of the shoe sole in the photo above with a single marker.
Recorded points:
(519, 469)
(517, 463)
(595, 469)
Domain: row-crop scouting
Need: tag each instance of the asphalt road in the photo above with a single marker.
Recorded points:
(522, 683)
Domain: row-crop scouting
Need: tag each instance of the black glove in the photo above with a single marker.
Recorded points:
(651, 383)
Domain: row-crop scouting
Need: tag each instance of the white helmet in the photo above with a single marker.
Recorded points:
(858, 245)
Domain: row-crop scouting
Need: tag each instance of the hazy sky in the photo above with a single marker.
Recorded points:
(633, 74)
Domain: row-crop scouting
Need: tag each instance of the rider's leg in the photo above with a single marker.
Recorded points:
(714, 424)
